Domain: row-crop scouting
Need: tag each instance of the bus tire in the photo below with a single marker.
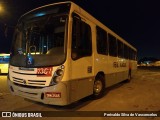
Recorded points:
(98, 87)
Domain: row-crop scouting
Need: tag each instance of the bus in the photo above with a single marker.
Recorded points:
(4, 61)
(61, 54)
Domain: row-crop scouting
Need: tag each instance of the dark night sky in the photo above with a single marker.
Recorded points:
(137, 21)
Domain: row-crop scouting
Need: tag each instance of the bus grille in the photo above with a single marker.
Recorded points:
(29, 82)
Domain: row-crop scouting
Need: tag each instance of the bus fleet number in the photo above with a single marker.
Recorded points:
(44, 71)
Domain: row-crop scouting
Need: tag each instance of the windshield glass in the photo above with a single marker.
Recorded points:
(40, 41)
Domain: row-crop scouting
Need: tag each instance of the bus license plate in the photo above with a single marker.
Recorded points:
(53, 94)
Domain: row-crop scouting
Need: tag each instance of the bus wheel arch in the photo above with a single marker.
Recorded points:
(99, 85)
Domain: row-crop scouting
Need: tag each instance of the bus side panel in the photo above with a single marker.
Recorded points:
(114, 78)
(112, 67)
(80, 88)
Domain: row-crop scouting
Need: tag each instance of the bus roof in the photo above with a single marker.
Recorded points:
(89, 17)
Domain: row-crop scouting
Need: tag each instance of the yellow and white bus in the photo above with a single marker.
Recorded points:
(4, 61)
(60, 54)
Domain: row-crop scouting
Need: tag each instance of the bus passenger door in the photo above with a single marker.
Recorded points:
(81, 55)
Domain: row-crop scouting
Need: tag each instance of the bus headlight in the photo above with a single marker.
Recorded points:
(59, 72)
(58, 75)
(57, 79)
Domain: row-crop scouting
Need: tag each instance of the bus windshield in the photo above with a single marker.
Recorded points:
(40, 39)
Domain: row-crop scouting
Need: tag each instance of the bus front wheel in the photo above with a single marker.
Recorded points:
(98, 87)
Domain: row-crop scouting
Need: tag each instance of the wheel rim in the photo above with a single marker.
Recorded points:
(97, 87)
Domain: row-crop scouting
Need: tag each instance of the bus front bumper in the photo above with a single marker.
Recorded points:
(54, 95)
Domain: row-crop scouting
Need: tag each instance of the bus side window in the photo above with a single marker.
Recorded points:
(112, 45)
(102, 44)
(126, 51)
(81, 38)
(120, 49)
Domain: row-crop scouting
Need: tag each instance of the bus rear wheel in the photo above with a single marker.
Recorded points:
(98, 87)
